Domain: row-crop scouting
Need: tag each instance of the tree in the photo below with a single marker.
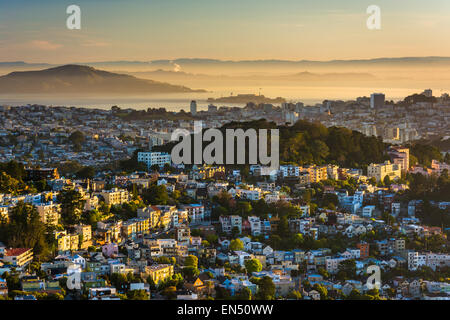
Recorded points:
(388, 218)
(323, 272)
(167, 167)
(253, 265)
(77, 139)
(321, 290)
(297, 240)
(170, 293)
(71, 206)
(25, 229)
(155, 167)
(191, 261)
(354, 295)
(212, 238)
(137, 295)
(190, 272)
(86, 173)
(236, 245)
(346, 270)
(119, 281)
(387, 181)
(8, 184)
(235, 232)
(294, 294)
(14, 169)
(156, 195)
(266, 288)
(244, 294)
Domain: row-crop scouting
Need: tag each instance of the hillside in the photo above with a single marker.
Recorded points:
(82, 80)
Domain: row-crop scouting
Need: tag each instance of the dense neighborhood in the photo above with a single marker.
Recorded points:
(308, 232)
(93, 208)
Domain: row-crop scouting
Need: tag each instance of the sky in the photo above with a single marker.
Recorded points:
(35, 31)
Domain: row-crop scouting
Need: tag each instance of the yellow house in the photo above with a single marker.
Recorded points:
(66, 241)
(159, 272)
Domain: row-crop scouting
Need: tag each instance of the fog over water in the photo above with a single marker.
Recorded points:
(177, 102)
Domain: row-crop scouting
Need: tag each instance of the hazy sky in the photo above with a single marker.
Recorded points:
(35, 31)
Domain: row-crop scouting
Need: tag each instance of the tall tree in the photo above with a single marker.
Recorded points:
(25, 229)
(71, 206)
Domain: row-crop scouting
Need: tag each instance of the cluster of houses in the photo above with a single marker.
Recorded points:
(136, 245)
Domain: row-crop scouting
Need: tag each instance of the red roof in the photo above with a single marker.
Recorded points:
(16, 252)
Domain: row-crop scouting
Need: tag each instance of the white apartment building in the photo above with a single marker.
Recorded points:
(332, 264)
(229, 222)
(255, 225)
(416, 260)
(436, 260)
(154, 158)
(254, 194)
(196, 212)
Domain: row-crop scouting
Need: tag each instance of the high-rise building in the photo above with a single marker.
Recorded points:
(193, 107)
(377, 100)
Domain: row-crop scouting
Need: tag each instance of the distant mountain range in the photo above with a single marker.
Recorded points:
(155, 64)
(203, 80)
(79, 79)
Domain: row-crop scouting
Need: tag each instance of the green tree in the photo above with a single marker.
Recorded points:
(156, 195)
(244, 294)
(346, 270)
(321, 290)
(295, 295)
(266, 288)
(8, 184)
(190, 272)
(354, 295)
(86, 173)
(77, 139)
(119, 281)
(253, 265)
(137, 295)
(71, 206)
(297, 240)
(236, 245)
(191, 261)
(387, 181)
(25, 229)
